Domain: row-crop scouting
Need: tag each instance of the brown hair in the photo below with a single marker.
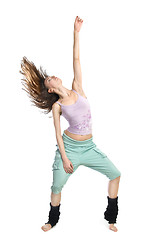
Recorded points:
(35, 87)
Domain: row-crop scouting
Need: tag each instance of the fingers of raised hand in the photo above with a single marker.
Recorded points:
(79, 19)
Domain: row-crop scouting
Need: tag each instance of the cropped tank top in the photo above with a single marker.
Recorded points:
(78, 115)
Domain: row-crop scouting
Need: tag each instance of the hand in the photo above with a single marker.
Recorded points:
(68, 166)
(77, 24)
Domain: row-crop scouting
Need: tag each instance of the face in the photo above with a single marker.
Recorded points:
(52, 83)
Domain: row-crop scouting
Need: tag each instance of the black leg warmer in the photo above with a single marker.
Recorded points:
(54, 214)
(112, 210)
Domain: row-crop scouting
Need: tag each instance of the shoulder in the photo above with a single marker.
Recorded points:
(56, 108)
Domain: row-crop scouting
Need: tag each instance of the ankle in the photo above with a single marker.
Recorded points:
(55, 204)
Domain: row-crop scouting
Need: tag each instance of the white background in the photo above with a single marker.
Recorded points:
(120, 54)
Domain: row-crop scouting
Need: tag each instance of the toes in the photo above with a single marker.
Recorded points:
(113, 228)
(46, 227)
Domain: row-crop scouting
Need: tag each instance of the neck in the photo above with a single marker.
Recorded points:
(63, 92)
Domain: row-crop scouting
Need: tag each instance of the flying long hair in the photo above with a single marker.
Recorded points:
(35, 87)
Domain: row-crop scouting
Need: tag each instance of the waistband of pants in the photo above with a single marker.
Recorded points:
(70, 141)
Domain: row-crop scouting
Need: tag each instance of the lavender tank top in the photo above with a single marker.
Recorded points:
(78, 116)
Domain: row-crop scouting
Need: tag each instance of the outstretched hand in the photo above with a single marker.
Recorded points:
(77, 24)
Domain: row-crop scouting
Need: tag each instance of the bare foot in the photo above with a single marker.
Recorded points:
(46, 227)
(112, 227)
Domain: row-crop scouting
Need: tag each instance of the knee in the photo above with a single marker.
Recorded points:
(57, 187)
(118, 178)
(116, 175)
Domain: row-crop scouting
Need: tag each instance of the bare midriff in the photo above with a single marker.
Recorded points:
(77, 136)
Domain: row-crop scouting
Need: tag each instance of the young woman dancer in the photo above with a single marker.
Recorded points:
(76, 146)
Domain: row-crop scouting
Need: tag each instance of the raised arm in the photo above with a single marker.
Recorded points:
(77, 81)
